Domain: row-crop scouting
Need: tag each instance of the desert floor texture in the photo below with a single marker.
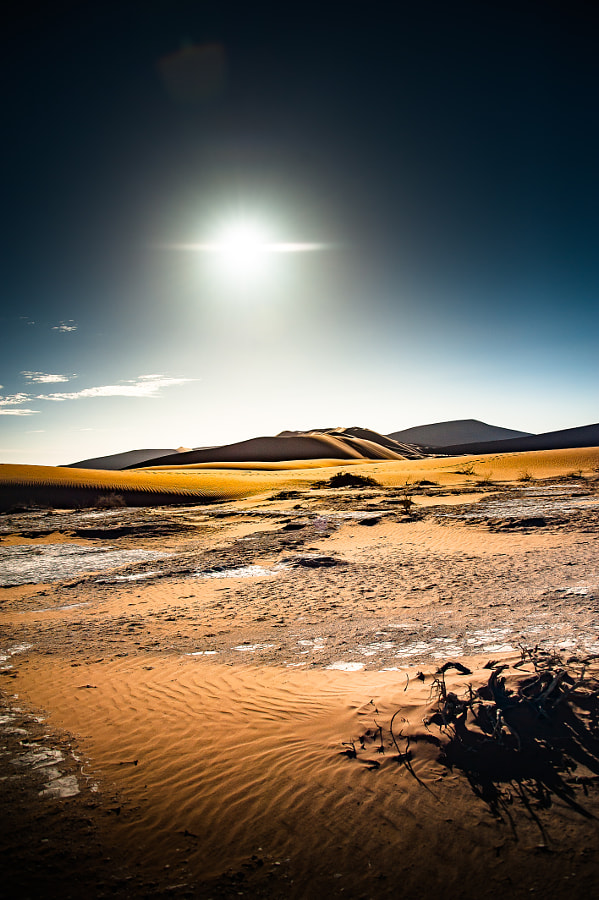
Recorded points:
(246, 698)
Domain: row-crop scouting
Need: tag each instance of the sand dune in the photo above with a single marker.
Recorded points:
(585, 436)
(312, 445)
(354, 443)
(62, 486)
(366, 438)
(458, 431)
(129, 458)
(203, 482)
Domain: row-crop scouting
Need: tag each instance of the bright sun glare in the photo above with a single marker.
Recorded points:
(244, 247)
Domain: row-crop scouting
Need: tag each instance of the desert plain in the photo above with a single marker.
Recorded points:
(296, 685)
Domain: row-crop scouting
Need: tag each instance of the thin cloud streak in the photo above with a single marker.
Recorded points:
(145, 386)
(43, 378)
(69, 325)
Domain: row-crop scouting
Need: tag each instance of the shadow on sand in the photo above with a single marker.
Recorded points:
(525, 739)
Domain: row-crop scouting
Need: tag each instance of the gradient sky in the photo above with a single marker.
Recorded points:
(443, 157)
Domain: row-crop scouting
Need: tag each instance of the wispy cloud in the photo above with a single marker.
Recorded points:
(43, 378)
(68, 325)
(14, 399)
(143, 386)
(147, 386)
(10, 405)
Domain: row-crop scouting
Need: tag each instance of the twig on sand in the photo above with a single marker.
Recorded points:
(401, 754)
(381, 747)
(405, 757)
(463, 670)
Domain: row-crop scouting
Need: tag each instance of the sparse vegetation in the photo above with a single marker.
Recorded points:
(519, 736)
(406, 500)
(407, 503)
(467, 469)
(348, 479)
(525, 476)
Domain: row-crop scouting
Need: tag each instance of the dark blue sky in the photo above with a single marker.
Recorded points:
(445, 153)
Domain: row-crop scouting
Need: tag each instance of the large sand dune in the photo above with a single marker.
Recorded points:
(312, 445)
(355, 443)
(367, 438)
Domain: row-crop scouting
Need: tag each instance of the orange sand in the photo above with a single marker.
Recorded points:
(212, 778)
(217, 767)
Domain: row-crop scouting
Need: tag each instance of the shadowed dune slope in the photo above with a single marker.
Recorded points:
(117, 461)
(283, 447)
(366, 439)
(457, 431)
(586, 436)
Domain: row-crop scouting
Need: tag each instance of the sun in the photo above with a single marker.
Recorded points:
(243, 245)
(245, 249)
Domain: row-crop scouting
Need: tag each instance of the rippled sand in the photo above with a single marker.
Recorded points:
(182, 720)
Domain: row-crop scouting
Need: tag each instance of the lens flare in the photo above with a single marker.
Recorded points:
(243, 252)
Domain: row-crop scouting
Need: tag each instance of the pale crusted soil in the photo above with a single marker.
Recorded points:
(325, 579)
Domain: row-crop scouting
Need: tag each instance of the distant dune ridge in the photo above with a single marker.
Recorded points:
(585, 436)
(355, 443)
(456, 431)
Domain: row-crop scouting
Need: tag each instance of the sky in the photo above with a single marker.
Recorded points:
(226, 219)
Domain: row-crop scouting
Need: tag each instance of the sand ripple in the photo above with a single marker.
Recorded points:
(243, 759)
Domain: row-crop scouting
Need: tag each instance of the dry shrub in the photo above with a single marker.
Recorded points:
(348, 479)
(111, 501)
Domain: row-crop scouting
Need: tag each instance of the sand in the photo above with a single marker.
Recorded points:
(238, 478)
(204, 722)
